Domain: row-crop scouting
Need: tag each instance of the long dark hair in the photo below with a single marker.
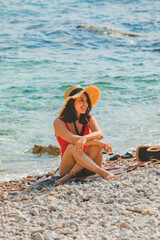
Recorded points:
(69, 113)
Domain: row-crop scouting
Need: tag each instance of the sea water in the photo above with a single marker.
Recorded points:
(42, 53)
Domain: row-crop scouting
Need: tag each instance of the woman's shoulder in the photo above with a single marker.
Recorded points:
(58, 121)
(92, 119)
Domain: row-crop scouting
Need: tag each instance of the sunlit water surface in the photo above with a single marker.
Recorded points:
(42, 53)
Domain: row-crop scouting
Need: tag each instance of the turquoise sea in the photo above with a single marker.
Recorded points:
(42, 53)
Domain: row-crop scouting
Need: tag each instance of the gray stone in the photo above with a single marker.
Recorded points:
(34, 212)
(36, 230)
(37, 236)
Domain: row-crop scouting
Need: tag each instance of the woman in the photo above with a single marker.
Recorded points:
(79, 135)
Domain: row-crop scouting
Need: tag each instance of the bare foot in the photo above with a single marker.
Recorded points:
(63, 179)
(107, 175)
(57, 183)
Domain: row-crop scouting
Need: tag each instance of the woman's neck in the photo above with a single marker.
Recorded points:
(78, 116)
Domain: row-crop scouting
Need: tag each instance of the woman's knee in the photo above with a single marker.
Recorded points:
(97, 148)
(70, 147)
(94, 149)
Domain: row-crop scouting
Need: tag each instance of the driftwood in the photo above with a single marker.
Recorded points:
(50, 149)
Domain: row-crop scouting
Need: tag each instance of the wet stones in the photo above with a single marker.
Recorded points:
(50, 149)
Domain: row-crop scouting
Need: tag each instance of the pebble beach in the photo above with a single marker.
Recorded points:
(124, 208)
(44, 51)
(46, 47)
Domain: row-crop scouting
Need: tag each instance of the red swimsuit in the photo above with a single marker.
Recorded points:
(63, 143)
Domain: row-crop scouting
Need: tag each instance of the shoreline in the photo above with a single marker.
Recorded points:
(124, 208)
(15, 186)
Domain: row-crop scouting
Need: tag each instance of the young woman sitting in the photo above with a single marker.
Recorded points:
(79, 135)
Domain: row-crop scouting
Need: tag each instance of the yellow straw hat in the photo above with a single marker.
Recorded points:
(76, 91)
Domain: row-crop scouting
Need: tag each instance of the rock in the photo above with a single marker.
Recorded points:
(34, 212)
(4, 195)
(86, 197)
(23, 197)
(54, 236)
(74, 236)
(20, 216)
(127, 200)
(74, 208)
(156, 236)
(42, 224)
(126, 195)
(39, 187)
(30, 188)
(111, 200)
(139, 221)
(102, 223)
(51, 150)
(43, 190)
(51, 198)
(52, 208)
(66, 231)
(147, 212)
(37, 236)
(40, 230)
(124, 225)
(38, 149)
(104, 237)
(107, 29)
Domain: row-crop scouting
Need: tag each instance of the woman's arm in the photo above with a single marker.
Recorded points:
(90, 139)
(93, 138)
(101, 144)
(62, 131)
(96, 132)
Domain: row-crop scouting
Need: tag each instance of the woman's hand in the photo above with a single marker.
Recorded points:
(105, 146)
(80, 144)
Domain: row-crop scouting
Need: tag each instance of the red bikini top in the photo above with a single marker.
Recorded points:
(63, 143)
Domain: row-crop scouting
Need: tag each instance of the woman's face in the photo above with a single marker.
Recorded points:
(81, 104)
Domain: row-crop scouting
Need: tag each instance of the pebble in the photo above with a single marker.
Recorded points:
(147, 212)
(122, 209)
(40, 230)
(34, 212)
(37, 236)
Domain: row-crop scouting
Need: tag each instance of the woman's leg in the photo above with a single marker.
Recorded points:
(67, 162)
(83, 160)
(76, 169)
(94, 152)
(68, 167)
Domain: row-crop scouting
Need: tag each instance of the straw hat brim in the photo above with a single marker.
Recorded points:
(93, 93)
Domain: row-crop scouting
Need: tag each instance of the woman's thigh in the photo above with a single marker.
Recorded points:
(94, 152)
(67, 161)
